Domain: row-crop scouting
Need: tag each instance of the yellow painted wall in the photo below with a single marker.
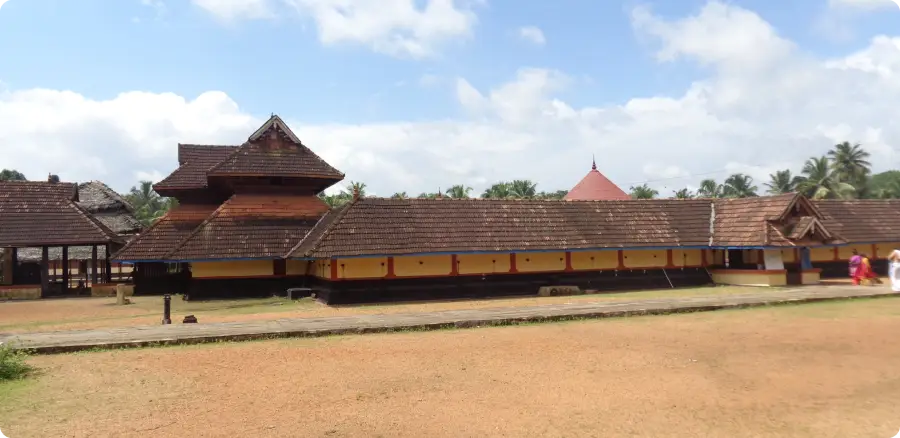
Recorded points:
(322, 268)
(242, 268)
(882, 250)
(810, 277)
(368, 267)
(423, 266)
(736, 277)
(296, 267)
(687, 257)
(483, 263)
(845, 252)
(541, 261)
(645, 258)
(821, 254)
(789, 255)
(588, 260)
(715, 256)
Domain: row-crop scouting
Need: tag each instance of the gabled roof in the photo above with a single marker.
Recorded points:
(372, 226)
(195, 161)
(108, 207)
(596, 187)
(862, 220)
(273, 150)
(162, 237)
(45, 214)
(251, 226)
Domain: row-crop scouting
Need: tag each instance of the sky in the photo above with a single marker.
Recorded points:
(420, 95)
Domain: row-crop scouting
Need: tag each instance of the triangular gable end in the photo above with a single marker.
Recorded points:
(274, 124)
(800, 206)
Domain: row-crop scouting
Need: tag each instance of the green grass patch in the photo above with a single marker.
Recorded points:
(12, 364)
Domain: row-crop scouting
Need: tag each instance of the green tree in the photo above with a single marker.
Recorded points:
(850, 164)
(400, 195)
(884, 185)
(11, 175)
(558, 194)
(499, 190)
(643, 191)
(148, 205)
(459, 191)
(683, 194)
(522, 189)
(782, 182)
(739, 185)
(356, 187)
(709, 188)
(427, 195)
(821, 182)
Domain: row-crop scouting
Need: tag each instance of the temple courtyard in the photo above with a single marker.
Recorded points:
(822, 369)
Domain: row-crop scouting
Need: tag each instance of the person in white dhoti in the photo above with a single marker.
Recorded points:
(894, 270)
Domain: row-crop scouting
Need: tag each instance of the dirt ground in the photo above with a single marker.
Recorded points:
(87, 313)
(815, 370)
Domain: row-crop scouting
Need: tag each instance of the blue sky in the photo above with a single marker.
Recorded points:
(101, 48)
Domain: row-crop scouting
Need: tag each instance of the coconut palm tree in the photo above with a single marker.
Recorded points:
(499, 190)
(522, 189)
(458, 191)
(709, 188)
(559, 194)
(148, 205)
(683, 194)
(821, 182)
(643, 191)
(782, 182)
(426, 195)
(739, 185)
(400, 195)
(850, 163)
(356, 187)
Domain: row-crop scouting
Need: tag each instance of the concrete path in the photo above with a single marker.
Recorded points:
(66, 341)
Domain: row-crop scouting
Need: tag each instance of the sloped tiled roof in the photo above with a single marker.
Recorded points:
(395, 226)
(743, 221)
(275, 151)
(108, 207)
(44, 214)
(862, 220)
(165, 234)
(195, 161)
(252, 226)
(596, 187)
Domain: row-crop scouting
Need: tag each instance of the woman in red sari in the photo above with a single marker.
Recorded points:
(864, 272)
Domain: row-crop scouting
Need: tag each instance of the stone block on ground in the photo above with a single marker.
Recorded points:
(558, 291)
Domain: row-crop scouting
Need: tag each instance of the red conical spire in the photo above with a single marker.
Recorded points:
(596, 187)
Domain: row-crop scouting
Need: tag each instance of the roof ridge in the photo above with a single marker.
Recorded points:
(330, 227)
(103, 229)
(133, 241)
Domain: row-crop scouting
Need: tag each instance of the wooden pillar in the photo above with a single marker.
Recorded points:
(512, 262)
(95, 279)
(836, 254)
(14, 262)
(703, 262)
(621, 259)
(107, 275)
(45, 273)
(569, 261)
(670, 263)
(65, 273)
(334, 270)
(390, 268)
(454, 270)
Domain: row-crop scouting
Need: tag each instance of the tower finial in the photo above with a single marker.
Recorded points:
(593, 162)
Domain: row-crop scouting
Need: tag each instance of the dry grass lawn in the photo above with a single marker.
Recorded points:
(816, 370)
(88, 313)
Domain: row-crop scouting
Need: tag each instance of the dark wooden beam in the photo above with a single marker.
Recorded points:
(14, 257)
(45, 273)
(107, 275)
(65, 274)
(94, 265)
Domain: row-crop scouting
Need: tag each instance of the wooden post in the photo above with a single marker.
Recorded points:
(95, 279)
(14, 258)
(45, 273)
(107, 276)
(65, 273)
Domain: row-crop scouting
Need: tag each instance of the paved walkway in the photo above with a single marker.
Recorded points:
(65, 341)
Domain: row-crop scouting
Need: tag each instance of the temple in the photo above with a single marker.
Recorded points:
(249, 222)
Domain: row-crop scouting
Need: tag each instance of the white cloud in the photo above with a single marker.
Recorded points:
(2, 2)
(532, 34)
(863, 4)
(763, 117)
(230, 10)
(394, 27)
